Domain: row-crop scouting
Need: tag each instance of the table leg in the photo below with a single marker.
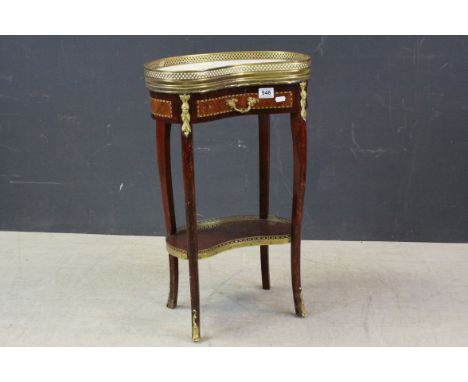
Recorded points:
(191, 224)
(163, 144)
(299, 138)
(264, 160)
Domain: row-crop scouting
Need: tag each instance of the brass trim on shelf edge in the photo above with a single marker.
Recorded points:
(231, 82)
(231, 244)
(235, 243)
(214, 222)
(290, 67)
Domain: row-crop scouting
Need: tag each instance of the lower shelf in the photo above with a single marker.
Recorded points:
(222, 234)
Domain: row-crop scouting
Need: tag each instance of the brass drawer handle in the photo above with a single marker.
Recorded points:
(250, 102)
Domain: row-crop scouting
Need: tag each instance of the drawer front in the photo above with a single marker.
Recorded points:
(229, 103)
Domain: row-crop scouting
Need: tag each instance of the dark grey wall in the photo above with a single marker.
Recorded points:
(388, 138)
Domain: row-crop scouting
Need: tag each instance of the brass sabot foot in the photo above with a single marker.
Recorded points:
(301, 310)
(195, 330)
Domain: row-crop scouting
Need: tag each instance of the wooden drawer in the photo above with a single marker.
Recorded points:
(225, 104)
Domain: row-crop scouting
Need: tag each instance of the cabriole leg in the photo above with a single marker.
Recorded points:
(190, 216)
(163, 144)
(299, 138)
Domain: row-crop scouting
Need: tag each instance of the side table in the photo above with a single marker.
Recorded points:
(204, 87)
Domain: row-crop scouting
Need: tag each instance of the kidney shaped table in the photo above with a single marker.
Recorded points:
(189, 89)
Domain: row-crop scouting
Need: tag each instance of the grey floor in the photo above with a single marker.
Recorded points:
(96, 290)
